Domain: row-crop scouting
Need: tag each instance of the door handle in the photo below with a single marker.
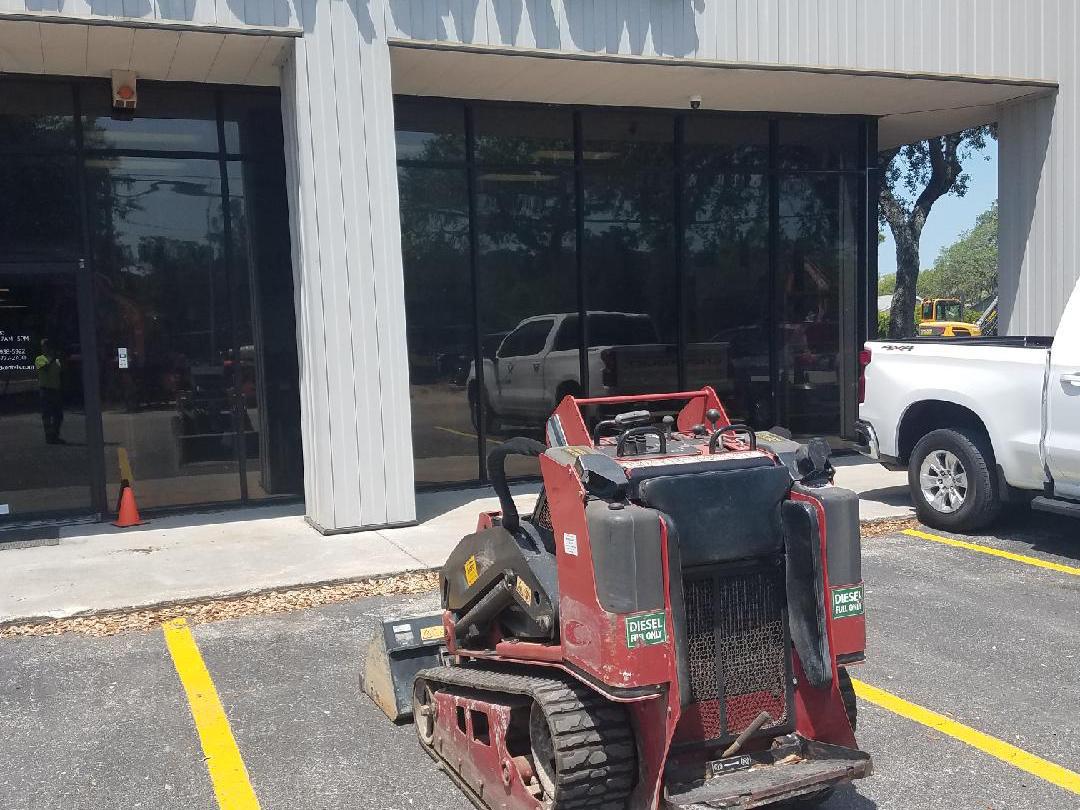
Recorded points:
(1071, 379)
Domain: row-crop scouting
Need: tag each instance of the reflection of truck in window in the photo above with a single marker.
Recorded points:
(537, 364)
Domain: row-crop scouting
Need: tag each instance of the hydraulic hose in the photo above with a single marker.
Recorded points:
(496, 462)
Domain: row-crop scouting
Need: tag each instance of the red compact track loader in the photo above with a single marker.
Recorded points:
(668, 628)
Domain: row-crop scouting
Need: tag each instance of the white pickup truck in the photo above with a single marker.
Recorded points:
(530, 369)
(977, 422)
(537, 363)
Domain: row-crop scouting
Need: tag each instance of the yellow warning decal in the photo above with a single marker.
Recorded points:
(471, 571)
(524, 591)
(766, 436)
(433, 632)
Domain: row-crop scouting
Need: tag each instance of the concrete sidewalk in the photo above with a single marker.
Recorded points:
(97, 567)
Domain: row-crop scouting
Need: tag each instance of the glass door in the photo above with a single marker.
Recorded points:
(43, 419)
(171, 393)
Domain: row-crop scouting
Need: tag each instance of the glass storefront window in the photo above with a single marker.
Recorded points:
(527, 284)
(42, 411)
(724, 142)
(439, 323)
(829, 144)
(628, 254)
(508, 135)
(429, 130)
(188, 258)
(169, 119)
(698, 263)
(267, 369)
(36, 115)
(253, 123)
(818, 254)
(39, 218)
(726, 245)
(630, 139)
(164, 298)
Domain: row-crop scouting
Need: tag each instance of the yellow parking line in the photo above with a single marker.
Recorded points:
(223, 760)
(996, 552)
(1037, 766)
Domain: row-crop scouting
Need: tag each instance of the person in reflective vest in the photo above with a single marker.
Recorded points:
(50, 391)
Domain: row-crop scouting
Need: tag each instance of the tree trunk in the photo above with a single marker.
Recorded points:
(906, 223)
(902, 309)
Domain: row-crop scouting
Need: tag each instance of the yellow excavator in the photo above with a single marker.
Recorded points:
(944, 317)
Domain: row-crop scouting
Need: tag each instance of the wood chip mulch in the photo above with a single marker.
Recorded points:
(880, 528)
(258, 604)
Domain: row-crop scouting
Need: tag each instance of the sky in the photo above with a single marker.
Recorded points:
(951, 215)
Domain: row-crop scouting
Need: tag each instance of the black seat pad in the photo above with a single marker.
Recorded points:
(722, 515)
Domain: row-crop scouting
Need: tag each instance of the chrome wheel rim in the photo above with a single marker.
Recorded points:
(424, 712)
(943, 481)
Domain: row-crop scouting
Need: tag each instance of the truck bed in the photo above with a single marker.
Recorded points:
(1018, 342)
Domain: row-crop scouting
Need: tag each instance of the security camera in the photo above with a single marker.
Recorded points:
(695, 102)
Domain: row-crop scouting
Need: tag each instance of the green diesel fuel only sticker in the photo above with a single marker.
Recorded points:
(646, 628)
(847, 602)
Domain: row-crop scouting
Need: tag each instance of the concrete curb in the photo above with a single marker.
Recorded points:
(192, 601)
(238, 595)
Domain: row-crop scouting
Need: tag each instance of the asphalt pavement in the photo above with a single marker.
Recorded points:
(989, 641)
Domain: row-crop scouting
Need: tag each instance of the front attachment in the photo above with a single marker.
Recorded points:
(399, 649)
(794, 767)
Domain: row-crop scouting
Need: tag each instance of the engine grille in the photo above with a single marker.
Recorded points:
(737, 650)
(542, 512)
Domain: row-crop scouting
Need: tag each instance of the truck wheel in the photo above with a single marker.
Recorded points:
(480, 410)
(952, 480)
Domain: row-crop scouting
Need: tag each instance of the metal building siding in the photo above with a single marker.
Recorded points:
(237, 14)
(988, 37)
(348, 271)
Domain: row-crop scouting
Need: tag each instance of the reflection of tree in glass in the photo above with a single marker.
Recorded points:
(42, 216)
(159, 272)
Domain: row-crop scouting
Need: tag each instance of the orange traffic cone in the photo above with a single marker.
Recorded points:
(129, 512)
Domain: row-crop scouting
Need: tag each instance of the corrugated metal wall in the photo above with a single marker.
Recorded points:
(337, 97)
(226, 13)
(991, 37)
(340, 158)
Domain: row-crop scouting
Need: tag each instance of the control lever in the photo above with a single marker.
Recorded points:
(712, 416)
(630, 437)
(621, 422)
(718, 436)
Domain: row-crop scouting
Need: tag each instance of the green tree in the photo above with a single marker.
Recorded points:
(915, 177)
(886, 285)
(968, 268)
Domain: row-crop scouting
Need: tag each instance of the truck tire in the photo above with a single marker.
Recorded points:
(952, 480)
(480, 410)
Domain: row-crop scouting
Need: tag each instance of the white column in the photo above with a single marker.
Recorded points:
(1037, 241)
(340, 157)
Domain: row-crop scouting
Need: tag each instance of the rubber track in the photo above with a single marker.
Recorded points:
(595, 763)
